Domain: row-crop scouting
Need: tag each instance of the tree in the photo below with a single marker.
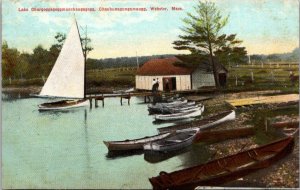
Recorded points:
(22, 67)
(86, 47)
(203, 36)
(56, 48)
(61, 37)
(40, 55)
(10, 58)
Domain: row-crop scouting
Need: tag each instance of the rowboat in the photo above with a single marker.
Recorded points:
(165, 107)
(63, 105)
(170, 110)
(174, 142)
(181, 115)
(202, 123)
(134, 144)
(219, 171)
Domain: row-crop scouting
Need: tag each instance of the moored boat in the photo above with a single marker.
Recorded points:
(219, 171)
(181, 115)
(170, 110)
(67, 77)
(63, 104)
(133, 144)
(174, 142)
(203, 123)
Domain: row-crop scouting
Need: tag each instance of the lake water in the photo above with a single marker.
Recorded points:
(65, 149)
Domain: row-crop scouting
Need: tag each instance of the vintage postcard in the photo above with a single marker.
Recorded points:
(150, 94)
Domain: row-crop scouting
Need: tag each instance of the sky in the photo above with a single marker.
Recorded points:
(264, 26)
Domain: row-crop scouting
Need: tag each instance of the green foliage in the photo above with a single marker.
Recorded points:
(204, 39)
(40, 55)
(10, 59)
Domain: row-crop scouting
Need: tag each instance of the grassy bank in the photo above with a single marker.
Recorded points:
(265, 76)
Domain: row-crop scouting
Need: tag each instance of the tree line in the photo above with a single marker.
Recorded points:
(23, 65)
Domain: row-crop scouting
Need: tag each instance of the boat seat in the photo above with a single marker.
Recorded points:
(228, 169)
(255, 155)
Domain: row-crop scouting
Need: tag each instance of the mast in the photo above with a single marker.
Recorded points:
(84, 55)
(66, 78)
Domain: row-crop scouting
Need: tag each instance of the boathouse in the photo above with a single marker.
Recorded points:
(178, 78)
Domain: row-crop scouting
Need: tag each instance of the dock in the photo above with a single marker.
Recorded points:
(264, 100)
(148, 95)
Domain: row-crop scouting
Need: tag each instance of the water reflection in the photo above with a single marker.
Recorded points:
(121, 154)
(60, 112)
(155, 157)
(183, 121)
(86, 148)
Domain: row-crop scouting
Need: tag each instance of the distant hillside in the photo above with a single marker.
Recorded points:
(132, 61)
(292, 56)
(121, 61)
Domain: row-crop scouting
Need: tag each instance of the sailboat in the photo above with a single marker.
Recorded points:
(67, 77)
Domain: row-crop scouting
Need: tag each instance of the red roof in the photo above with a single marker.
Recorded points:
(163, 67)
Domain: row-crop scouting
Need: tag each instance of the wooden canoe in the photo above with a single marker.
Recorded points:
(286, 124)
(174, 142)
(202, 123)
(221, 135)
(133, 144)
(219, 171)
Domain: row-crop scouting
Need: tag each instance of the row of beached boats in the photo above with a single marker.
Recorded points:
(171, 138)
(215, 172)
(175, 110)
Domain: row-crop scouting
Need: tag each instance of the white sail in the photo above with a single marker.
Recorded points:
(67, 76)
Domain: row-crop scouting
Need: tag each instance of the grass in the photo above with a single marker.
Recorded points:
(239, 78)
(268, 77)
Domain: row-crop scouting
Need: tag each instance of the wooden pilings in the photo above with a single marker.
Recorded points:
(127, 96)
(99, 98)
(145, 99)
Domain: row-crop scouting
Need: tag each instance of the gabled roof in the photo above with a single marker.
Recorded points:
(163, 67)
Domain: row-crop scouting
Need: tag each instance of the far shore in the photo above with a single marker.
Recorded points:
(37, 89)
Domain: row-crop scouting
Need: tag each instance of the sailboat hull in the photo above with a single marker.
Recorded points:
(63, 105)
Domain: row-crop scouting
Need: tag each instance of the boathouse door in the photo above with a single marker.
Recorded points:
(222, 79)
(169, 83)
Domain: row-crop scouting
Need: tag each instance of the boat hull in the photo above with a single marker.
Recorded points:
(220, 171)
(134, 144)
(178, 116)
(203, 123)
(172, 143)
(63, 105)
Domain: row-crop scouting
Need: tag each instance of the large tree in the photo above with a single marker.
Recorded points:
(203, 37)
(10, 58)
(61, 37)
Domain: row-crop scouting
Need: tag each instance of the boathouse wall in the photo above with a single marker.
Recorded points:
(201, 78)
(183, 82)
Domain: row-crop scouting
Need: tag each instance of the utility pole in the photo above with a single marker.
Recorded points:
(137, 60)
(249, 60)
